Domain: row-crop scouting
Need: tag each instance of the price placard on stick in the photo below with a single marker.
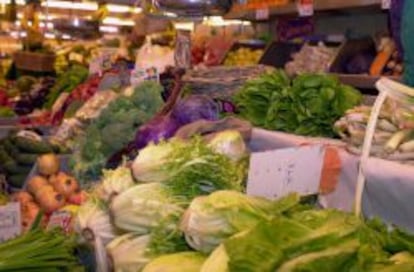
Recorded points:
(274, 174)
(10, 221)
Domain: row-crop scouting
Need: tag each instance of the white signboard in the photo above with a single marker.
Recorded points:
(274, 174)
(10, 221)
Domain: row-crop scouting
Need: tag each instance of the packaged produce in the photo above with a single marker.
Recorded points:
(308, 105)
(311, 59)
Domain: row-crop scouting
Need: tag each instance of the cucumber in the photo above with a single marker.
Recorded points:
(11, 167)
(31, 146)
(4, 156)
(26, 158)
(11, 149)
(17, 180)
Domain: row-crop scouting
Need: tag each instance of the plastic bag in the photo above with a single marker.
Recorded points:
(154, 56)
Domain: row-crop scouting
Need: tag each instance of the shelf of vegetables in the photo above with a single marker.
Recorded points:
(144, 200)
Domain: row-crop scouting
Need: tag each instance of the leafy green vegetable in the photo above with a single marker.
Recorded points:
(144, 207)
(189, 169)
(211, 219)
(196, 169)
(113, 129)
(179, 262)
(6, 112)
(66, 82)
(309, 105)
(313, 241)
(38, 250)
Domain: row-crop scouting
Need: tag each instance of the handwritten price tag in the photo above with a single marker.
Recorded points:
(61, 219)
(386, 4)
(10, 221)
(262, 14)
(305, 7)
(274, 174)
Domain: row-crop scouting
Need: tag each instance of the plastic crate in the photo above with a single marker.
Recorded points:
(349, 49)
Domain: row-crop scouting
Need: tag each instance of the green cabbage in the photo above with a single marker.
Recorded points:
(114, 182)
(179, 262)
(148, 165)
(313, 241)
(229, 143)
(189, 169)
(129, 252)
(145, 207)
(211, 219)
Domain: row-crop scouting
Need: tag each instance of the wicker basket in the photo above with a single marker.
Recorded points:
(37, 62)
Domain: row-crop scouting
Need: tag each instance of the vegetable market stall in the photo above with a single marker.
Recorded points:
(389, 187)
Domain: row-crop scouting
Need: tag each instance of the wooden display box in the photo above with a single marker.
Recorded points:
(37, 62)
(277, 54)
(349, 49)
(250, 44)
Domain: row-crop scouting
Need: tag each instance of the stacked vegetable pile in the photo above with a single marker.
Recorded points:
(113, 129)
(243, 56)
(187, 213)
(136, 222)
(66, 83)
(394, 135)
(301, 238)
(48, 189)
(308, 105)
(18, 153)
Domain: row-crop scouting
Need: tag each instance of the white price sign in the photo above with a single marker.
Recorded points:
(10, 221)
(262, 14)
(386, 4)
(274, 174)
(305, 7)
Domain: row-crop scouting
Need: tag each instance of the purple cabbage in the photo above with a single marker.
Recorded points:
(194, 108)
(155, 130)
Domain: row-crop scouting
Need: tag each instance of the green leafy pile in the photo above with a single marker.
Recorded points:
(113, 129)
(39, 250)
(66, 83)
(192, 168)
(309, 105)
(315, 240)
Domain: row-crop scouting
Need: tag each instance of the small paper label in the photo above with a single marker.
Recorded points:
(61, 219)
(106, 61)
(386, 4)
(182, 53)
(305, 7)
(95, 66)
(10, 221)
(262, 14)
(274, 174)
(139, 75)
